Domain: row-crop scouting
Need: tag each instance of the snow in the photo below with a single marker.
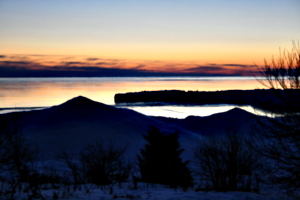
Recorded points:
(122, 125)
(153, 192)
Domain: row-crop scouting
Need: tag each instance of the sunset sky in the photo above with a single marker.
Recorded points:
(143, 38)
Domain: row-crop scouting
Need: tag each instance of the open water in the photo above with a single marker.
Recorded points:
(25, 93)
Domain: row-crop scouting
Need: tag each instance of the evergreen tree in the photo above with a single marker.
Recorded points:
(160, 161)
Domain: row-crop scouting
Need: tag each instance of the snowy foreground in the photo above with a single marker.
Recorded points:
(89, 192)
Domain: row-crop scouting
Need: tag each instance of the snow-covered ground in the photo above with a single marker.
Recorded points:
(80, 121)
(156, 192)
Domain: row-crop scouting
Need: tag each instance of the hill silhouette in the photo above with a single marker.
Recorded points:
(219, 123)
(79, 121)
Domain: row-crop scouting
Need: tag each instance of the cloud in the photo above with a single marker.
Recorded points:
(96, 71)
(76, 71)
(92, 59)
(238, 65)
(2, 56)
(61, 66)
(81, 68)
(14, 62)
(105, 63)
(205, 68)
(86, 63)
(65, 71)
(100, 71)
(223, 69)
(139, 67)
(73, 63)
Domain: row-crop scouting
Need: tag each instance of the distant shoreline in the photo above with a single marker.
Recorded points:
(258, 98)
(21, 108)
(139, 76)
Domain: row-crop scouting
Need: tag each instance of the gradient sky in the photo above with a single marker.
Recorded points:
(138, 37)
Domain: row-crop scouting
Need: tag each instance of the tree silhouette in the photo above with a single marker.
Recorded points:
(160, 161)
(104, 164)
(17, 156)
(280, 136)
(227, 163)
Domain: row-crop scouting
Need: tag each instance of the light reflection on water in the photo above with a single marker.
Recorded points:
(182, 112)
(46, 92)
(38, 92)
(179, 112)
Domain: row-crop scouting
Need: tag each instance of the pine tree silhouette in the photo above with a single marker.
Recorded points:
(160, 161)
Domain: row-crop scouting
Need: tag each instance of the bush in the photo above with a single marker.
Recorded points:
(226, 163)
(104, 164)
(16, 156)
(280, 136)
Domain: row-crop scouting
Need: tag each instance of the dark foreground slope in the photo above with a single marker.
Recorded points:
(80, 121)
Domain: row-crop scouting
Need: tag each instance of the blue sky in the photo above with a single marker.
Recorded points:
(199, 32)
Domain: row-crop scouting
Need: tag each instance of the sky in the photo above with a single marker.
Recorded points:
(143, 38)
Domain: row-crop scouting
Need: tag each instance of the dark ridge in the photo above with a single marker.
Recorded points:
(76, 109)
(236, 112)
(82, 103)
(216, 124)
(236, 119)
(265, 99)
(238, 97)
(79, 101)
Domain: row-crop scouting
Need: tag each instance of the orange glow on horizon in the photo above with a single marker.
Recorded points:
(203, 53)
(92, 63)
(85, 63)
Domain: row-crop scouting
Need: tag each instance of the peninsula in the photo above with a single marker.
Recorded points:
(259, 98)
